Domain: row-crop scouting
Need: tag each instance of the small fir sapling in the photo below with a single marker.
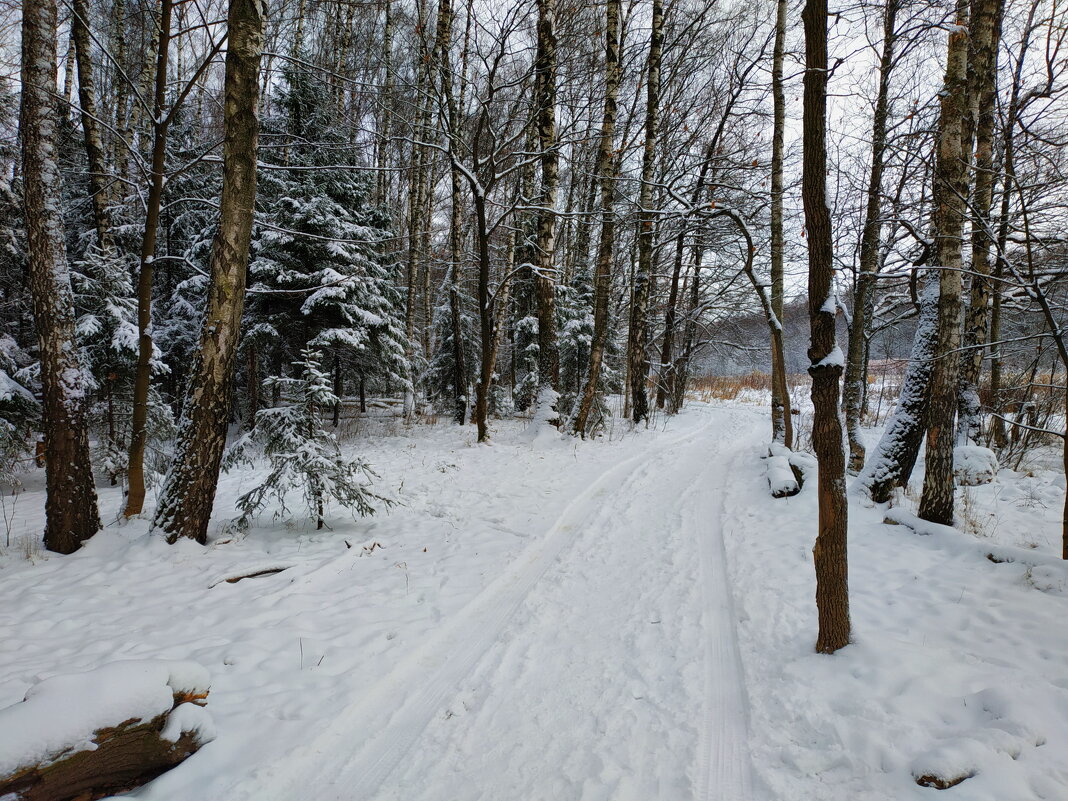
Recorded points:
(302, 454)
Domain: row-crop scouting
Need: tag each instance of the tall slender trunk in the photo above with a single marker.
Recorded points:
(638, 338)
(666, 367)
(782, 424)
(545, 274)
(452, 121)
(602, 276)
(185, 506)
(143, 372)
(485, 316)
(950, 208)
(829, 555)
(982, 91)
(997, 403)
(71, 514)
(682, 368)
(864, 291)
(99, 193)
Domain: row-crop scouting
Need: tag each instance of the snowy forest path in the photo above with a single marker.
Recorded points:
(602, 664)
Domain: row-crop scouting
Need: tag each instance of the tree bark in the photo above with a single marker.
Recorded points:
(950, 208)
(71, 514)
(782, 424)
(135, 498)
(602, 276)
(99, 193)
(545, 274)
(982, 91)
(638, 339)
(864, 291)
(829, 554)
(189, 493)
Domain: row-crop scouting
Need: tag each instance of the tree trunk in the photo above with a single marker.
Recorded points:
(253, 386)
(950, 208)
(782, 424)
(602, 276)
(71, 514)
(638, 339)
(891, 464)
(982, 92)
(545, 274)
(186, 503)
(143, 372)
(864, 291)
(94, 146)
(829, 555)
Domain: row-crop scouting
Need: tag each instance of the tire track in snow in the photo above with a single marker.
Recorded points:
(724, 765)
(354, 754)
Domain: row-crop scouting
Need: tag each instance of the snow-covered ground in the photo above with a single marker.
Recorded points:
(552, 619)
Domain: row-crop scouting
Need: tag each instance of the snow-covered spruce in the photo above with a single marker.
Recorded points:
(302, 454)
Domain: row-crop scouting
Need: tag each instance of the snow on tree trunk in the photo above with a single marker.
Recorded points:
(189, 492)
(827, 360)
(71, 514)
(891, 464)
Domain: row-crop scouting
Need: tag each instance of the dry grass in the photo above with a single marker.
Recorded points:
(729, 387)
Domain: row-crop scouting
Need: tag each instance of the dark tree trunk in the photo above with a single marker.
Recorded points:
(863, 293)
(602, 277)
(186, 503)
(638, 339)
(94, 147)
(950, 208)
(829, 555)
(782, 424)
(71, 514)
(143, 372)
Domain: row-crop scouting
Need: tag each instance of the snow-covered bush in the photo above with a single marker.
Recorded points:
(973, 465)
(302, 454)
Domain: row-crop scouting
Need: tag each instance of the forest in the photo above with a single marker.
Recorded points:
(282, 279)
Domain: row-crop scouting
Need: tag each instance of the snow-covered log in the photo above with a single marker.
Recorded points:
(785, 471)
(90, 735)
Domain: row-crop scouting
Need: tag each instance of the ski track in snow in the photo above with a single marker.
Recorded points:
(602, 664)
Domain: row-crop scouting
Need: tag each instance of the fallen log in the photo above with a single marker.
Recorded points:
(90, 735)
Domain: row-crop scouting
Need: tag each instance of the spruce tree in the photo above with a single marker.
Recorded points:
(303, 456)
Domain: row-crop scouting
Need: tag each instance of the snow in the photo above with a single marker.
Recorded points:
(62, 713)
(973, 465)
(625, 618)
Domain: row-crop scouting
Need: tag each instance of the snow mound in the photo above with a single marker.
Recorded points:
(973, 465)
(786, 470)
(63, 713)
(543, 430)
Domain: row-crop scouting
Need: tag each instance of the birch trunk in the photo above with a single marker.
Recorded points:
(186, 503)
(638, 338)
(71, 514)
(950, 208)
(982, 91)
(602, 276)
